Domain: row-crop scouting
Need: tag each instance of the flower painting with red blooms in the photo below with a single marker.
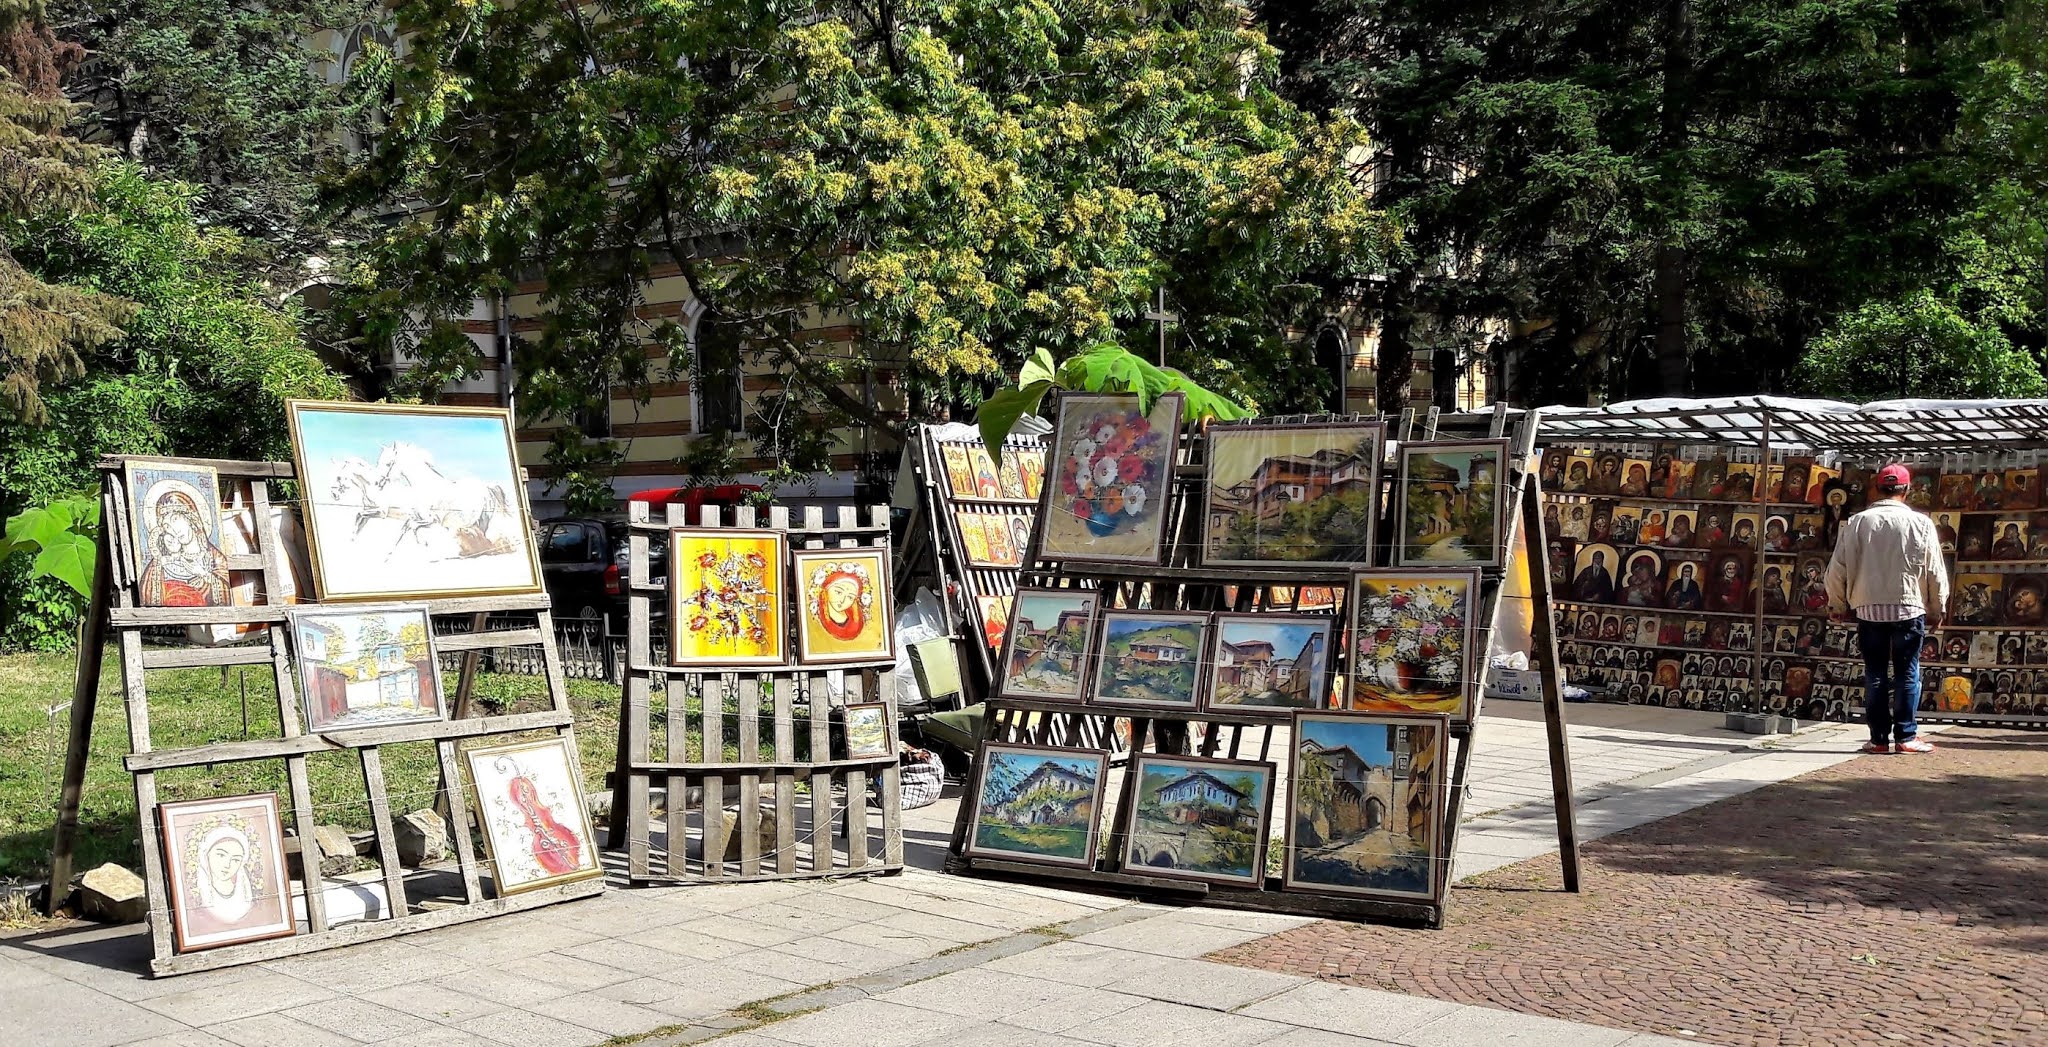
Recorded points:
(1111, 466)
(725, 596)
(1411, 640)
(844, 612)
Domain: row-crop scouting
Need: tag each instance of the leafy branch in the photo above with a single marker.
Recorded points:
(61, 536)
(1105, 368)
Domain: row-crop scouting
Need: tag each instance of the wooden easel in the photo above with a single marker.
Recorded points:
(114, 609)
(1181, 585)
(796, 697)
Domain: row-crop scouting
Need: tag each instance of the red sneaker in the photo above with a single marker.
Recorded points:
(1876, 748)
(1914, 745)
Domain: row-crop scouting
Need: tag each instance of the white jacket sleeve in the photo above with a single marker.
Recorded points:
(1842, 566)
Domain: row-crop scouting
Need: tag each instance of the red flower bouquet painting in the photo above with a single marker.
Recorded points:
(1111, 466)
(726, 593)
(1411, 640)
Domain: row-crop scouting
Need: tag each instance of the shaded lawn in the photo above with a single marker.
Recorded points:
(198, 706)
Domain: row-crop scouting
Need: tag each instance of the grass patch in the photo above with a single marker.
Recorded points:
(191, 707)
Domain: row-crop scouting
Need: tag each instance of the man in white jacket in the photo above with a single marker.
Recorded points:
(1888, 570)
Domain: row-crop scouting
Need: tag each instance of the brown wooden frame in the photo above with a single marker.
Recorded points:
(1379, 430)
(1129, 817)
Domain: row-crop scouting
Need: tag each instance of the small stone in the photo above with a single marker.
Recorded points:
(112, 894)
(732, 834)
(422, 838)
(337, 849)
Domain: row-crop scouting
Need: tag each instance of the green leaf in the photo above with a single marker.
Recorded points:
(1039, 368)
(39, 527)
(999, 414)
(69, 559)
(1110, 369)
(1200, 402)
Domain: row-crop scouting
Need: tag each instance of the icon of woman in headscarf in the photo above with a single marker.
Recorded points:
(183, 568)
(221, 875)
(842, 599)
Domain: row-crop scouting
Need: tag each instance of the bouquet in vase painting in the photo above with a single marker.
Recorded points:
(1411, 639)
(1106, 479)
(731, 602)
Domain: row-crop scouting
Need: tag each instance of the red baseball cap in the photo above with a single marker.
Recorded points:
(1894, 478)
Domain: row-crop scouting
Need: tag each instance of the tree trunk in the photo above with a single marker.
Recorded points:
(1673, 365)
(1395, 360)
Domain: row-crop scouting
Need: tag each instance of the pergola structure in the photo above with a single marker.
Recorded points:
(1897, 428)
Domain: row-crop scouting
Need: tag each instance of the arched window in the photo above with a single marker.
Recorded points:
(715, 380)
(1331, 359)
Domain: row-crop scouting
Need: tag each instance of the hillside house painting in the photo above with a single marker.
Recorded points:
(1046, 642)
(1270, 661)
(1201, 797)
(1038, 803)
(1264, 478)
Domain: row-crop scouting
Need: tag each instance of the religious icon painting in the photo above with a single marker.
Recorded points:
(1450, 507)
(1685, 586)
(224, 858)
(1030, 469)
(1948, 527)
(988, 481)
(412, 502)
(1037, 804)
(1199, 819)
(868, 727)
(1365, 805)
(2009, 538)
(1149, 659)
(973, 538)
(1411, 636)
(1642, 580)
(1262, 663)
(995, 618)
(529, 797)
(174, 521)
(1291, 493)
(1606, 477)
(959, 471)
(1112, 469)
(1683, 530)
(1977, 599)
(1002, 552)
(1594, 570)
(1710, 478)
(1635, 478)
(1957, 491)
(1009, 478)
(366, 667)
(2026, 597)
(726, 594)
(1728, 583)
(1578, 470)
(2022, 489)
(844, 612)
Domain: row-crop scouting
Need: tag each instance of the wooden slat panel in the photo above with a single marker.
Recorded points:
(123, 617)
(380, 821)
(302, 744)
(478, 641)
(631, 822)
(188, 657)
(459, 822)
(712, 694)
(677, 725)
(785, 778)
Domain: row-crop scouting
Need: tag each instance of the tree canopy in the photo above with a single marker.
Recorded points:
(959, 183)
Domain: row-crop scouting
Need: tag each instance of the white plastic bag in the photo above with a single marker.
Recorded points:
(917, 621)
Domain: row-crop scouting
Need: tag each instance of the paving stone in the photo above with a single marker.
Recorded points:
(736, 929)
(502, 987)
(869, 1023)
(437, 1003)
(981, 993)
(254, 992)
(605, 1015)
(944, 928)
(269, 1030)
(1077, 964)
(1322, 1038)
(1195, 983)
(1166, 936)
(363, 1019)
(1356, 1012)
(1085, 1008)
(1159, 1024)
(85, 1019)
(699, 992)
(183, 1038)
(519, 1028)
(575, 973)
(1465, 1026)
(368, 967)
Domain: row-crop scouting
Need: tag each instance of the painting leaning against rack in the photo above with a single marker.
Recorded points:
(1364, 809)
(224, 858)
(366, 667)
(529, 797)
(406, 501)
(1037, 804)
(175, 513)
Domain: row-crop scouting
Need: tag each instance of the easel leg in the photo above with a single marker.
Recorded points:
(85, 693)
(465, 687)
(1536, 549)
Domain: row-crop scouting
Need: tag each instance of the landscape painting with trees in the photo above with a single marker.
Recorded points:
(1038, 804)
(1291, 494)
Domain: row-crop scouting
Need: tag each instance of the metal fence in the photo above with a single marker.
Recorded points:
(591, 649)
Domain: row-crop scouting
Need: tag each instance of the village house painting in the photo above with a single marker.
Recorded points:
(1150, 658)
(1303, 493)
(1365, 808)
(1038, 804)
(1265, 662)
(1200, 819)
(1046, 642)
(371, 667)
(1450, 504)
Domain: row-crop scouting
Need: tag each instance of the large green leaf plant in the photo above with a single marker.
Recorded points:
(1105, 368)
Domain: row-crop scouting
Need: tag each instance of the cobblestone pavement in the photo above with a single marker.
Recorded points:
(1888, 898)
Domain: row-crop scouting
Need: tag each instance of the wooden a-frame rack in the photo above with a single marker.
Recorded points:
(1192, 587)
(114, 612)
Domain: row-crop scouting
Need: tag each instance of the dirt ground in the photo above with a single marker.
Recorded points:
(1887, 899)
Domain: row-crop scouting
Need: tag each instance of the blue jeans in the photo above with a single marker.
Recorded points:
(1891, 677)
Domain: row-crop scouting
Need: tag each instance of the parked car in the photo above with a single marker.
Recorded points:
(583, 559)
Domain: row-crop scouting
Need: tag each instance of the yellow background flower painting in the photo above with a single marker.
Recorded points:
(726, 596)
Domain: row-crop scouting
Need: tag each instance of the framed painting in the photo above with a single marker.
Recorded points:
(1112, 468)
(726, 596)
(174, 521)
(844, 613)
(1199, 819)
(224, 859)
(412, 502)
(1291, 493)
(529, 797)
(366, 667)
(868, 730)
(1411, 634)
(1037, 804)
(995, 617)
(974, 547)
(1266, 664)
(1045, 648)
(959, 471)
(1450, 511)
(1149, 659)
(1365, 806)
(1030, 469)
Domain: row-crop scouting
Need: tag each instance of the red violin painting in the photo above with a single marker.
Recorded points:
(555, 846)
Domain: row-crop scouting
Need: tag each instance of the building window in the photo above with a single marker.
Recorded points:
(716, 381)
(595, 419)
